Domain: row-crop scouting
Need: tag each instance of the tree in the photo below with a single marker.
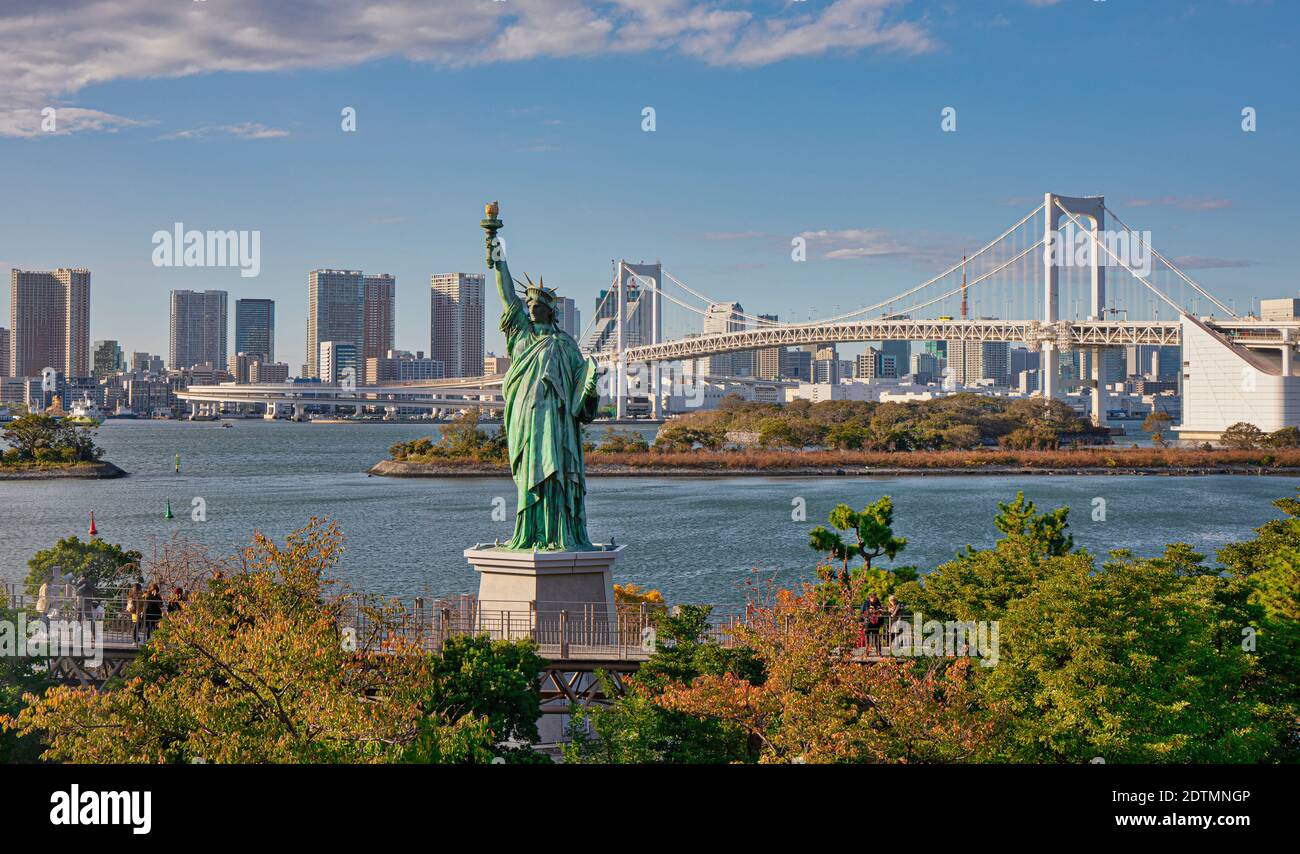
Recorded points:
(1242, 436)
(102, 564)
(1287, 437)
(20, 676)
(979, 584)
(1126, 662)
(1155, 424)
(817, 705)
(45, 439)
(872, 528)
(636, 728)
(273, 664)
(492, 680)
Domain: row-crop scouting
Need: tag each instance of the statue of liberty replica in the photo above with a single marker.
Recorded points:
(550, 392)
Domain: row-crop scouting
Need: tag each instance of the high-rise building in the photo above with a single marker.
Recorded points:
(767, 361)
(49, 314)
(867, 364)
(727, 317)
(938, 349)
(255, 328)
(335, 360)
(971, 362)
(4, 352)
(198, 329)
(568, 317)
(924, 368)
(900, 353)
(335, 311)
(456, 322)
(378, 310)
(108, 359)
(796, 364)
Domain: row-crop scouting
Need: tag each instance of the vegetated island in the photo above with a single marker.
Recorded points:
(41, 447)
(960, 434)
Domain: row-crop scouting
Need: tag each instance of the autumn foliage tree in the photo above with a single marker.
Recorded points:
(816, 704)
(274, 663)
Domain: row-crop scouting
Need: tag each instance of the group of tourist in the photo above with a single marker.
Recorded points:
(146, 607)
(878, 619)
(68, 597)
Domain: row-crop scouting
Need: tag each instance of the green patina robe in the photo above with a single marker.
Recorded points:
(547, 401)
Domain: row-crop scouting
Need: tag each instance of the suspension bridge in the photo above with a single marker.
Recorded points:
(1068, 276)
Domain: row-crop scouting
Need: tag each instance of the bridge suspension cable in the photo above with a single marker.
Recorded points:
(1179, 273)
(1121, 262)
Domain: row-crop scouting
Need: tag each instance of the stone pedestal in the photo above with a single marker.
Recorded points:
(551, 581)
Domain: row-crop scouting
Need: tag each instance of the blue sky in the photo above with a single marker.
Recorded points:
(772, 120)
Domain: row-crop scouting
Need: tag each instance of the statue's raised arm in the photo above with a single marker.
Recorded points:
(511, 305)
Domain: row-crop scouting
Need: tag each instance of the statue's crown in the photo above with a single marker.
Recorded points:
(539, 292)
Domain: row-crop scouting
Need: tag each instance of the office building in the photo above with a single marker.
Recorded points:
(895, 356)
(568, 317)
(49, 322)
(241, 366)
(255, 328)
(401, 366)
(727, 317)
(867, 364)
(767, 361)
(4, 352)
(494, 364)
(107, 359)
(268, 372)
(796, 364)
(979, 362)
(337, 361)
(335, 309)
(198, 329)
(925, 368)
(456, 322)
(378, 302)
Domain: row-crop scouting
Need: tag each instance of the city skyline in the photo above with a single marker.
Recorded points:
(883, 200)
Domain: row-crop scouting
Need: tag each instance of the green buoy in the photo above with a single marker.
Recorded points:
(168, 514)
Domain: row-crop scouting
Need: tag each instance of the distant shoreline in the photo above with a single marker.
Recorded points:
(391, 468)
(85, 471)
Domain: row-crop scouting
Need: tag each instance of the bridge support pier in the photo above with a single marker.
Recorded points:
(1097, 382)
(1049, 370)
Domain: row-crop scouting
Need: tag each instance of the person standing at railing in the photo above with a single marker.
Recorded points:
(135, 609)
(153, 610)
(43, 599)
(894, 619)
(874, 617)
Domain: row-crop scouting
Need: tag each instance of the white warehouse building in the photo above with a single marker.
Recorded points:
(1224, 384)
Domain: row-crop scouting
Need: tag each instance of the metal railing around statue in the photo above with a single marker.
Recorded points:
(561, 630)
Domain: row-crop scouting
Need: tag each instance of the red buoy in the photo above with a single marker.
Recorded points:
(93, 530)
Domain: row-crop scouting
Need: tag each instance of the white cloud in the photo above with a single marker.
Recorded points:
(66, 120)
(1184, 203)
(240, 130)
(1199, 262)
(57, 48)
